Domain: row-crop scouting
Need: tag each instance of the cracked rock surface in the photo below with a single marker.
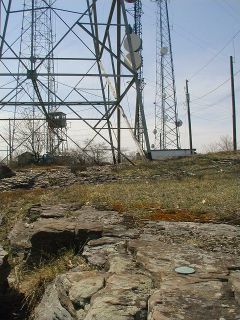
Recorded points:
(133, 276)
(54, 178)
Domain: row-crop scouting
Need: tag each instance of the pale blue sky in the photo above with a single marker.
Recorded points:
(200, 29)
(202, 34)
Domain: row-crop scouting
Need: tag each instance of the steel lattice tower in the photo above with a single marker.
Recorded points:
(36, 40)
(166, 129)
(137, 28)
(78, 72)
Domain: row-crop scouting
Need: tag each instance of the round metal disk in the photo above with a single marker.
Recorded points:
(137, 58)
(185, 270)
(135, 41)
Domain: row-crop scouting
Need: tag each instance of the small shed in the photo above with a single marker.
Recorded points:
(171, 153)
(25, 158)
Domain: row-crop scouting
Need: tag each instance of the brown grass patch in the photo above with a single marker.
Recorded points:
(180, 216)
(31, 283)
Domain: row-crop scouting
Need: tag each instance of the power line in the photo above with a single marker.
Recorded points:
(231, 10)
(211, 120)
(215, 56)
(215, 89)
(194, 39)
(208, 106)
(211, 91)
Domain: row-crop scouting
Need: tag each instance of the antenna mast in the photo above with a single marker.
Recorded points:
(137, 28)
(167, 125)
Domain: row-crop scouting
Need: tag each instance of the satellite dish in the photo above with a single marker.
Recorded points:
(165, 117)
(135, 41)
(152, 146)
(137, 59)
(155, 131)
(164, 51)
(179, 123)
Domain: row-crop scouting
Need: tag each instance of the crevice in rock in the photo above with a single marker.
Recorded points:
(228, 292)
(133, 252)
(12, 305)
(85, 301)
(45, 245)
(234, 268)
(82, 238)
(141, 315)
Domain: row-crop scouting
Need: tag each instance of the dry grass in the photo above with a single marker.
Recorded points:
(31, 283)
(14, 205)
(199, 165)
(198, 188)
(218, 199)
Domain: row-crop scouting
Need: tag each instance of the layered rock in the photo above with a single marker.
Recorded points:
(134, 272)
(54, 178)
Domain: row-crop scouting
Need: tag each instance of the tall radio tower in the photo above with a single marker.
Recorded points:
(167, 125)
(137, 28)
(36, 41)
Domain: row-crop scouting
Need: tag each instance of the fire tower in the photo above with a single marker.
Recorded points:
(64, 63)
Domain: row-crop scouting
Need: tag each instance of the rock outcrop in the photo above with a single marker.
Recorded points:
(46, 231)
(134, 266)
(5, 171)
(55, 178)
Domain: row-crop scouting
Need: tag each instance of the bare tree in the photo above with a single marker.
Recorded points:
(98, 151)
(225, 143)
(30, 136)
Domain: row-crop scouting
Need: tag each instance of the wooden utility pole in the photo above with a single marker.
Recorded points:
(10, 140)
(189, 117)
(233, 106)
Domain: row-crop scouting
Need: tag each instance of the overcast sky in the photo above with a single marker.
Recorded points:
(202, 35)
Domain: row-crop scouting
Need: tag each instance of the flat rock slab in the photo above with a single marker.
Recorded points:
(52, 178)
(135, 276)
(40, 234)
